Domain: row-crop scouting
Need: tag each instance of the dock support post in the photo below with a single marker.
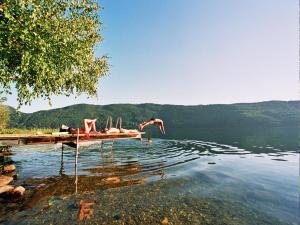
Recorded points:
(107, 145)
(76, 160)
(62, 170)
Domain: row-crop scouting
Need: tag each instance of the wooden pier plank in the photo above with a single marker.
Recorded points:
(29, 139)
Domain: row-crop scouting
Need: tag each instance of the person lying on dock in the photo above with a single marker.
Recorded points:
(154, 121)
(88, 126)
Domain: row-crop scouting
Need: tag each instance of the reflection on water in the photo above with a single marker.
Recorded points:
(242, 180)
(254, 139)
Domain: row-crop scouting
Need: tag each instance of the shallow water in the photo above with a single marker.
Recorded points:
(197, 178)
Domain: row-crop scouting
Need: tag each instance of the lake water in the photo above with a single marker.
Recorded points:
(190, 176)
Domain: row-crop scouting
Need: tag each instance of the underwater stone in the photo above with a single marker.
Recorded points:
(11, 193)
(19, 191)
(165, 221)
(9, 168)
(6, 188)
(5, 180)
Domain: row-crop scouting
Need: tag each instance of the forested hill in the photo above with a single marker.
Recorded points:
(272, 113)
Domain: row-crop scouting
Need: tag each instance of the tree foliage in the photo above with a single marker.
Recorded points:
(47, 47)
(4, 114)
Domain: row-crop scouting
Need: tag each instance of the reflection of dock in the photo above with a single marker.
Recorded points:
(104, 177)
(30, 139)
(62, 186)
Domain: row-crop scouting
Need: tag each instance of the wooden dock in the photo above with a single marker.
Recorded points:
(31, 139)
(72, 140)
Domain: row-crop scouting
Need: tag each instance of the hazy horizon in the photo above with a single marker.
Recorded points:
(82, 103)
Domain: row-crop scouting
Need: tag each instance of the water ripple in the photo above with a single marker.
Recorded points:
(127, 158)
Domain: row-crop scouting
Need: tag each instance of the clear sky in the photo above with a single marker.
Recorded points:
(193, 52)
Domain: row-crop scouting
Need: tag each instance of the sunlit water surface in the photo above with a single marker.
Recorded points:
(248, 178)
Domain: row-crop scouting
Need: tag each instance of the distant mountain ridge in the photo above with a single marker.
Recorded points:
(271, 113)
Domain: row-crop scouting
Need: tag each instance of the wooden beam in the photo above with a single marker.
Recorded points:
(65, 138)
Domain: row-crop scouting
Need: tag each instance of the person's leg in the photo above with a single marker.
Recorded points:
(88, 125)
(162, 128)
(93, 125)
(85, 126)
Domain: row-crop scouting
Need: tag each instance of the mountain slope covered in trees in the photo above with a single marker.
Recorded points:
(272, 113)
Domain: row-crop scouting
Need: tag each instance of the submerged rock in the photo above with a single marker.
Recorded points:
(19, 191)
(114, 179)
(10, 193)
(5, 180)
(165, 221)
(85, 210)
(7, 153)
(9, 168)
(6, 188)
